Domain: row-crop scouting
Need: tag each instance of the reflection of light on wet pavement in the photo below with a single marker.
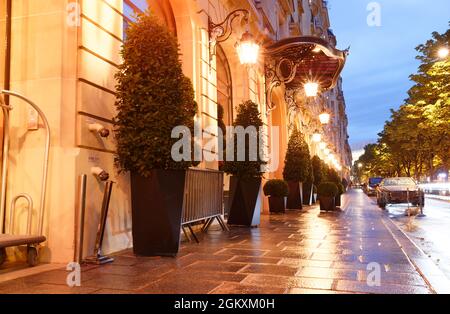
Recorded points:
(431, 233)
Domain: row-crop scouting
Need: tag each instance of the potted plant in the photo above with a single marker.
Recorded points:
(341, 191)
(277, 191)
(308, 189)
(327, 193)
(296, 168)
(314, 194)
(245, 181)
(153, 97)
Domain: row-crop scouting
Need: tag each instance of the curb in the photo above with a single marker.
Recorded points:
(433, 276)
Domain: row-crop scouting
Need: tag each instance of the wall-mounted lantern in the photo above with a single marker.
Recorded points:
(247, 48)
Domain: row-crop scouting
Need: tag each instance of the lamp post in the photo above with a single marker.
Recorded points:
(443, 52)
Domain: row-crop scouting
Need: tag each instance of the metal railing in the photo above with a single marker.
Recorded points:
(203, 195)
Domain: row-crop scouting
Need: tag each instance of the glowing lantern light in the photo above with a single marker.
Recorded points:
(248, 49)
(311, 89)
(317, 137)
(443, 52)
(324, 118)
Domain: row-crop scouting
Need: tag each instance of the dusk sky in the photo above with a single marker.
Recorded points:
(381, 58)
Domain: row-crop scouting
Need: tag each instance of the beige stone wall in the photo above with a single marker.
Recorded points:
(43, 67)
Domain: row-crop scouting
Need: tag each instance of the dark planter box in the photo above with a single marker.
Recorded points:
(337, 201)
(295, 199)
(157, 205)
(327, 203)
(245, 201)
(307, 194)
(277, 204)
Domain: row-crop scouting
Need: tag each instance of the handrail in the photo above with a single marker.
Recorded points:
(46, 157)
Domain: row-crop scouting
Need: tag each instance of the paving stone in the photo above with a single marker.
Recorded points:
(233, 288)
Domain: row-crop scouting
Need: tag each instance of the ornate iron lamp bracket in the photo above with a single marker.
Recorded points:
(222, 31)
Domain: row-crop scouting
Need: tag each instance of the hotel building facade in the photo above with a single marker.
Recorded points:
(63, 54)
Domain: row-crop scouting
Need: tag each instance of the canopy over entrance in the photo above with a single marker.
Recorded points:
(297, 60)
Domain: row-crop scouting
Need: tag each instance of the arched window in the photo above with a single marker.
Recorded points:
(224, 86)
(161, 8)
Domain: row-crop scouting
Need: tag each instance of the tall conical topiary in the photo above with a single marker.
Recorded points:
(316, 163)
(153, 97)
(297, 164)
(297, 168)
(247, 115)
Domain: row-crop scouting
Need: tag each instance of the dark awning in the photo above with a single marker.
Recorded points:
(296, 60)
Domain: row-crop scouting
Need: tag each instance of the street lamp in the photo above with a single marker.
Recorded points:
(248, 49)
(360, 165)
(325, 118)
(443, 52)
(317, 137)
(311, 89)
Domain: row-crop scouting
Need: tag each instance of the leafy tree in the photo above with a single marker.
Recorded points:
(247, 115)
(153, 97)
(297, 165)
(416, 139)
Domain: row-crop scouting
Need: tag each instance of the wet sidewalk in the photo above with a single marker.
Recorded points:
(298, 252)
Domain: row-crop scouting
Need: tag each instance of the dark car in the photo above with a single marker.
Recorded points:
(399, 190)
(371, 187)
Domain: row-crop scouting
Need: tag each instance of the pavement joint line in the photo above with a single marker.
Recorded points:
(411, 260)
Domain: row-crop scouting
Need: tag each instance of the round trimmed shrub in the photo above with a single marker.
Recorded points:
(327, 189)
(341, 189)
(276, 188)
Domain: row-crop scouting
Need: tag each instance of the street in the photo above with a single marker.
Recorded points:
(299, 252)
(430, 233)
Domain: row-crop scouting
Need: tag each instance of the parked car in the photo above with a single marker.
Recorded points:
(396, 190)
(371, 187)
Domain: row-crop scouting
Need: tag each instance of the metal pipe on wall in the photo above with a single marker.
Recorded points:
(5, 109)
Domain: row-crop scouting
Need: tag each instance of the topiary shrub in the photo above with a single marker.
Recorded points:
(333, 176)
(297, 165)
(316, 164)
(247, 115)
(276, 188)
(153, 97)
(327, 189)
(341, 189)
